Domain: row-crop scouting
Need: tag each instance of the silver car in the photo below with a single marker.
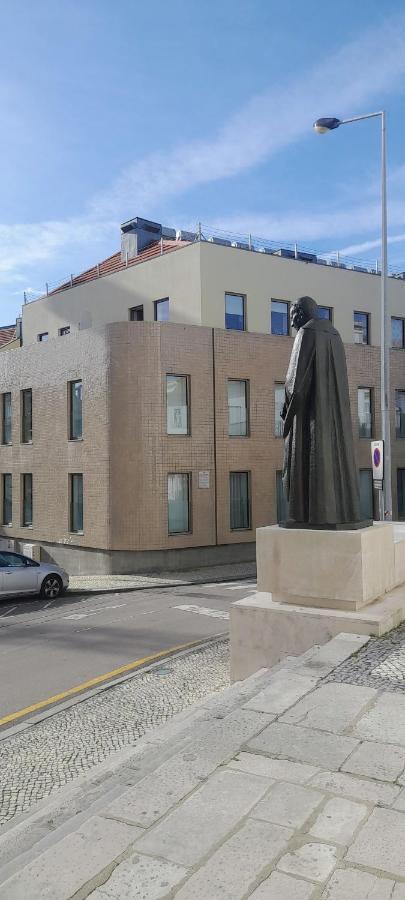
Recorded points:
(21, 575)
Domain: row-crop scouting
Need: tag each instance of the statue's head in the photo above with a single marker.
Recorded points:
(304, 309)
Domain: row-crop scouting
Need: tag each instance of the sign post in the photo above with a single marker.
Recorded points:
(377, 458)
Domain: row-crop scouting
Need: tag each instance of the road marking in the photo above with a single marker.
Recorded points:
(204, 611)
(94, 681)
(242, 587)
(12, 608)
(93, 612)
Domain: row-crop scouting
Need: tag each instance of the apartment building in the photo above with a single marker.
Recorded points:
(140, 419)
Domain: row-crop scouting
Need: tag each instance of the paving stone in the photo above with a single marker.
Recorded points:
(319, 661)
(381, 843)
(284, 690)
(351, 884)
(358, 788)
(140, 878)
(231, 871)
(304, 745)
(147, 802)
(386, 719)
(283, 887)
(288, 804)
(398, 892)
(312, 860)
(189, 832)
(279, 769)
(400, 802)
(382, 761)
(339, 820)
(331, 707)
(62, 869)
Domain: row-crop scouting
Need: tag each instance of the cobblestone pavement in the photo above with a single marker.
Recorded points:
(380, 664)
(192, 576)
(40, 760)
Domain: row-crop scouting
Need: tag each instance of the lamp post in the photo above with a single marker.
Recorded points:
(323, 126)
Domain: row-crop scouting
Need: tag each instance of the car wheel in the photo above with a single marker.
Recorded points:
(52, 587)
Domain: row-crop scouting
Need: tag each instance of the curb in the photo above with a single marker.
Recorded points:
(37, 719)
(157, 586)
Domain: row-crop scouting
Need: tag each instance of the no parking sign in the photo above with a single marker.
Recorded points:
(377, 458)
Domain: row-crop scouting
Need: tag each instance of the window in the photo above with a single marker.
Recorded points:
(361, 328)
(75, 410)
(238, 413)
(6, 419)
(44, 336)
(279, 398)
(7, 500)
(397, 334)
(162, 310)
(235, 312)
(136, 313)
(325, 312)
(76, 502)
(177, 404)
(64, 330)
(26, 499)
(366, 494)
(401, 493)
(239, 500)
(26, 416)
(400, 414)
(12, 560)
(279, 317)
(364, 412)
(178, 503)
(282, 506)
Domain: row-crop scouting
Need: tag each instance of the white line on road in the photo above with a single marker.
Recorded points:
(242, 587)
(12, 608)
(93, 612)
(204, 611)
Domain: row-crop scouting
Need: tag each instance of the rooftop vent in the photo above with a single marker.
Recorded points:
(136, 235)
(240, 245)
(286, 254)
(217, 240)
(307, 257)
(186, 236)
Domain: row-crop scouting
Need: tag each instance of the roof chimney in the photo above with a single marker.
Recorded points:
(138, 234)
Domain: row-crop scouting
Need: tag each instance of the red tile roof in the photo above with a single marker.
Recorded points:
(114, 263)
(7, 334)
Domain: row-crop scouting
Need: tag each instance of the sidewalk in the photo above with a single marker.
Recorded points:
(203, 575)
(283, 786)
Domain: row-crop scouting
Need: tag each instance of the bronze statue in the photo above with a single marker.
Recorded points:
(320, 475)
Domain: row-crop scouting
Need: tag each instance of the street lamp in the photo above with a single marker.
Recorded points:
(323, 126)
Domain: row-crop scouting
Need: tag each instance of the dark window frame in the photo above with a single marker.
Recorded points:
(330, 310)
(242, 297)
(188, 404)
(362, 312)
(136, 309)
(26, 521)
(401, 493)
(156, 304)
(65, 330)
(246, 382)
(247, 527)
(72, 480)
(7, 521)
(366, 437)
(42, 337)
(398, 319)
(286, 303)
(4, 419)
(398, 434)
(187, 475)
(71, 435)
(26, 429)
(278, 384)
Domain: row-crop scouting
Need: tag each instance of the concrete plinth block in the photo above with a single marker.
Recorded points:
(264, 631)
(341, 569)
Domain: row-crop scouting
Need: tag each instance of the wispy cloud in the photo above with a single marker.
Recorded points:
(361, 71)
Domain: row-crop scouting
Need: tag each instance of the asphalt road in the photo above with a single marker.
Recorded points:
(46, 649)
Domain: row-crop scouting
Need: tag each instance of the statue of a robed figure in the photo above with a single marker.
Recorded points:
(320, 475)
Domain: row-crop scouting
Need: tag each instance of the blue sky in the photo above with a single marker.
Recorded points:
(193, 111)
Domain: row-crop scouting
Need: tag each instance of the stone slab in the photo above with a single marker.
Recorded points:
(283, 887)
(331, 707)
(236, 866)
(149, 800)
(312, 860)
(205, 818)
(400, 801)
(382, 761)
(339, 783)
(304, 745)
(399, 892)
(339, 820)
(288, 804)
(381, 843)
(62, 869)
(263, 632)
(284, 689)
(140, 878)
(277, 769)
(351, 884)
(386, 719)
(305, 563)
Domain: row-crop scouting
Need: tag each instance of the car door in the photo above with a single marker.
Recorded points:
(19, 576)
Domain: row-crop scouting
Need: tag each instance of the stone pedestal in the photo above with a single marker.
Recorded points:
(311, 585)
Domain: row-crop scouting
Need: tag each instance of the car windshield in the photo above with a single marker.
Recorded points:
(11, 559)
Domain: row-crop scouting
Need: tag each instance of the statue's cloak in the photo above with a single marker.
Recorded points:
(320, 475)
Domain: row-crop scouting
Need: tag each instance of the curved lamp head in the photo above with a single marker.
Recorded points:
(322, 126)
